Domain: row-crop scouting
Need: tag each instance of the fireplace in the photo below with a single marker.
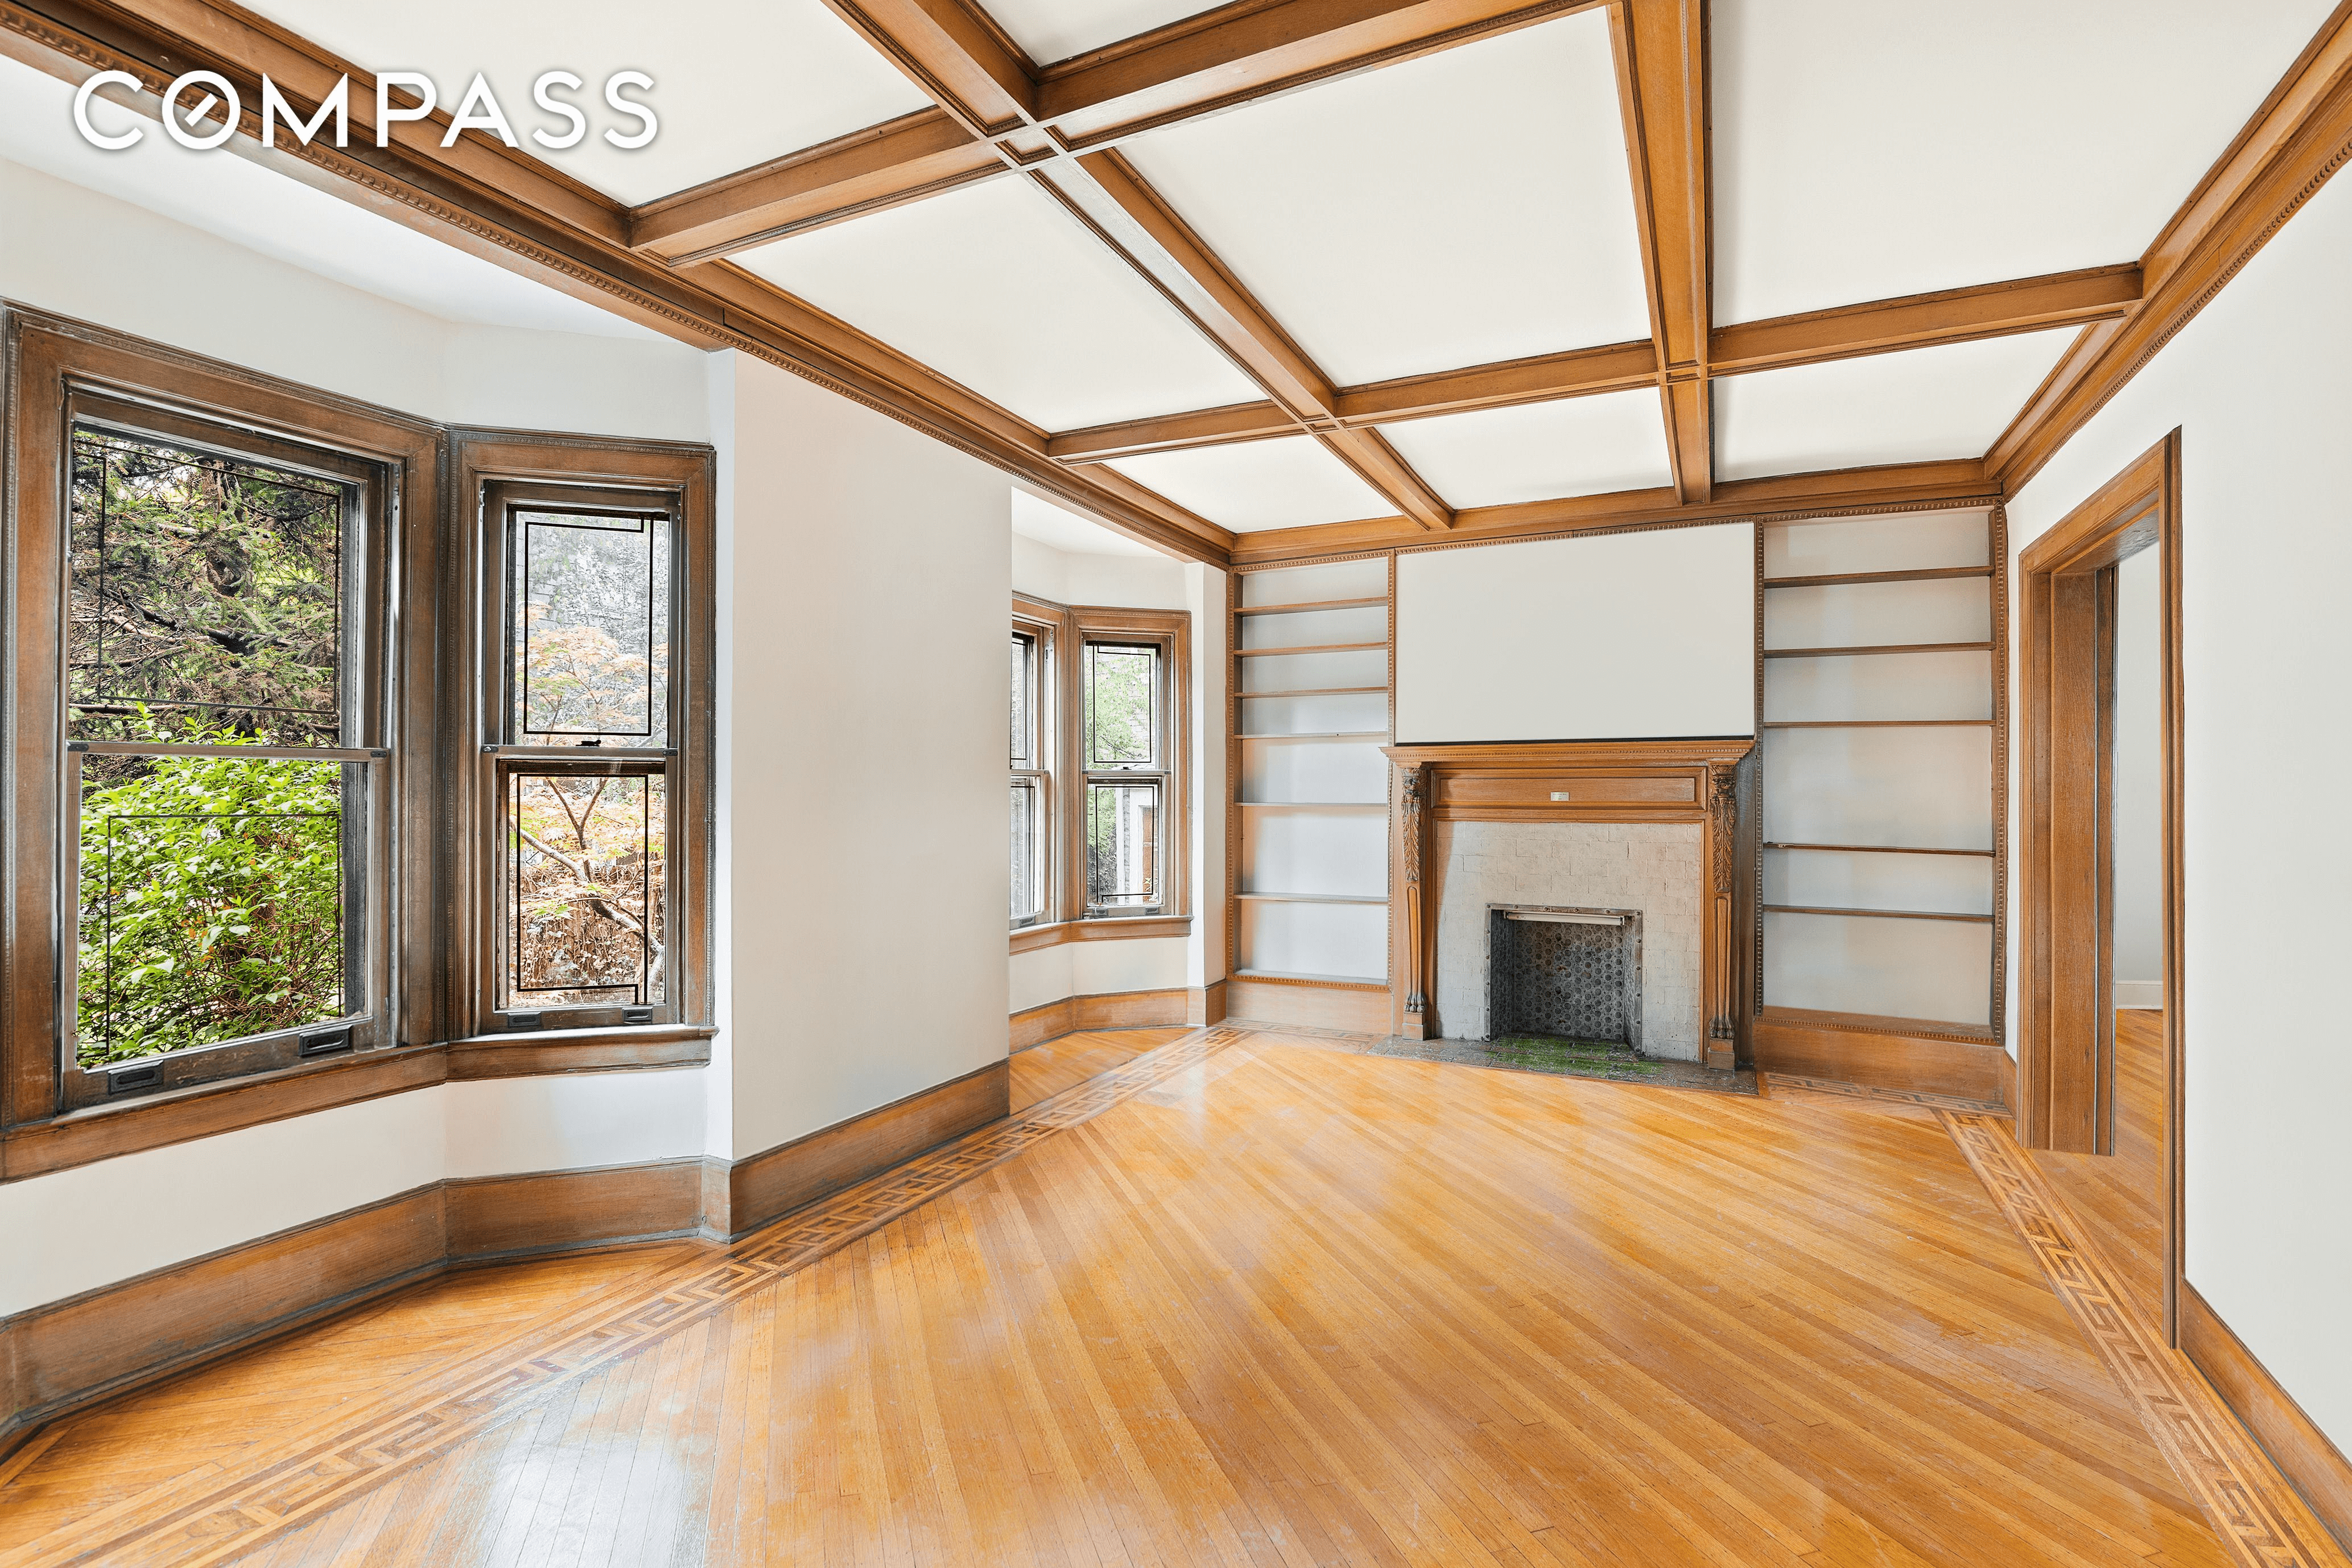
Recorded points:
(1602, 830)
(1572, 974)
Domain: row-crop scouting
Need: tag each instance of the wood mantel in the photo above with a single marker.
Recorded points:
(1710, 783)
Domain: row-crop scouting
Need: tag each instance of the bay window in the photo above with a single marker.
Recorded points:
(1098, 754)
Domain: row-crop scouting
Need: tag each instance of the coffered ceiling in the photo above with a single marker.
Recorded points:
(1379, 268)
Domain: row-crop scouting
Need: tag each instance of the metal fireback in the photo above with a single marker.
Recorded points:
(1565, 972)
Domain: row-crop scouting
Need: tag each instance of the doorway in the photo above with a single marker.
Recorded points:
(2099, 861)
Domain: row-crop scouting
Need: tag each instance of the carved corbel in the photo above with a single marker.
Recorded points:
(1723, 811)
(1410, 807)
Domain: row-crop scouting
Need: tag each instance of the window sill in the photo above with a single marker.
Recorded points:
(525, 1053)
(202, 1110)
(1126, 929)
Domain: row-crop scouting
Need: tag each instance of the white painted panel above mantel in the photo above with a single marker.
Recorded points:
(1606, 637)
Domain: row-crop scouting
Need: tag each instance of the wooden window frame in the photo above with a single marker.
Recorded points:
(58, 374)
(496, 469)
(1072, 626)
(1033, 620)
(52, 368)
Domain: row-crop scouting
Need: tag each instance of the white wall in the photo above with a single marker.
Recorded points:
(94, 1225)
(2260, 385)
(75, 252)
(2135, 816)
(869, 584)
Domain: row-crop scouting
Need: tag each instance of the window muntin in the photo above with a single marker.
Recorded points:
(582, 756)
(225, 811)
(589, 619)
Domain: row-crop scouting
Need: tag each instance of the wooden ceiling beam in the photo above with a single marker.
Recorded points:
(957, 54)
(533, 220)
(1901, 487)
(1105, 194)
(1881, 326)
(985, 88)
(2299, 136)
(1920, 320)
(916, 155)
(1659, 48)
(1251, 48)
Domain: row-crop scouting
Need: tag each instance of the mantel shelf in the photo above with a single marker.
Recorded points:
(1877, 914)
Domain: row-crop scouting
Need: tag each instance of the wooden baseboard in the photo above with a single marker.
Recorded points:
(2316, 1466)
(1205, 1004)
(64, 1356)
(561, 1211)
(767, 1185)
(1360, 1009)
(1886, 1053)
(1113, 1010)
(1035, 1025)
(2004, 1068)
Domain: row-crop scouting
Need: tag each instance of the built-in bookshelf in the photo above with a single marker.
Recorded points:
(1882, 764)
(1308, 831)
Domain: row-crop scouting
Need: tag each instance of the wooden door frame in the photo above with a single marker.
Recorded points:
(2066, 595)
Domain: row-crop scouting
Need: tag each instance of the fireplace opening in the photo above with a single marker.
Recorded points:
(1573, 974)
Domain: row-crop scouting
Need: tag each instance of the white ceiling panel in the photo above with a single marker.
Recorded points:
(251, 201)
(1058, 528)
(1469, 206)
(998, 288)
(736, 82)
(1917, 407)
(1288, 483)
(1864, 151)
(1053, 30)
(1539, 451)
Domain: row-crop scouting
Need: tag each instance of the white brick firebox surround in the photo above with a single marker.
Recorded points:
(1651, 867)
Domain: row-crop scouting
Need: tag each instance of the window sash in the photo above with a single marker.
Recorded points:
(651, 997)
(1151, 896)
(366, 635)
(509, 754)
(366, 951)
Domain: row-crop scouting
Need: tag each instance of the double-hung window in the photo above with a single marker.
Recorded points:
(1127, 777)
(226, 785)
(1032, 774)
(1099, 757)
(328, 731)
(583, 707)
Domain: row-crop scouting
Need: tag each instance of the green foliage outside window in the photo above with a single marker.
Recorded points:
(211, 899)
(204, 585)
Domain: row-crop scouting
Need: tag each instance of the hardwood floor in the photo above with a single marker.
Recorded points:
(2121, 1195)
(1247, 1299)
(1044, 1070)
